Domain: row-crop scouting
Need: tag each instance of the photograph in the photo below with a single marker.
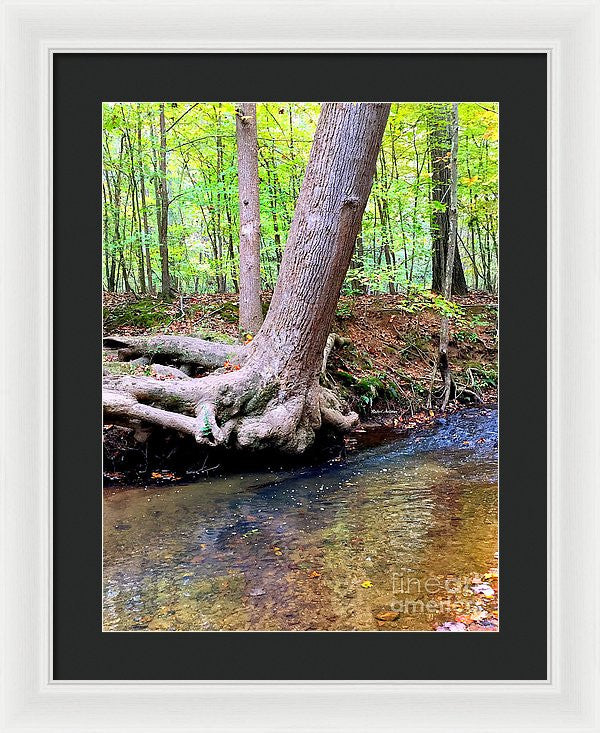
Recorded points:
(300, 379)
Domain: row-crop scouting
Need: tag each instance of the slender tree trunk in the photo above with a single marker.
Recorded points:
(230, 248)
(356, 263)
(440, 219)
(163, 192)
(117, 216)
(136, 217)
(144, 209)
(221, 271)
(275, 401)
(385, 233)
(451, 253)
(251, 315)
(110, 261)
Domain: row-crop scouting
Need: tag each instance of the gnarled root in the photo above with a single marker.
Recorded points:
(333, 340)
(179, 350)
(247, 409)
(332, 412)
(119, 405)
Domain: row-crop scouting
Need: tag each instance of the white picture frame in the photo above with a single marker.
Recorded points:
(569, 33)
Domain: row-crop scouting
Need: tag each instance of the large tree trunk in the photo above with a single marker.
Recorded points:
(275, 401)
(251, 315)
(439, 146)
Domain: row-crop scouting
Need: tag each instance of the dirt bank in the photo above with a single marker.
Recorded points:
(384, 372)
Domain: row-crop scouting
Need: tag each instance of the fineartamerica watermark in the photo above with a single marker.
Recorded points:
(431, 595)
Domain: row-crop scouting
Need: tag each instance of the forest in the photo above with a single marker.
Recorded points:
(288, 206)
(177, 164)
(300, 365)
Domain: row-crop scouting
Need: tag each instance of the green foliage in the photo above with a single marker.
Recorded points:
(483, 375)
(343, 310)
(465, 334)
(419, 299)
(204, 422)
(465, 329)
(394, 248)
(373, 387)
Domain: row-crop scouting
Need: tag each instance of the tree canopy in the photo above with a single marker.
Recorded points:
(193, 189)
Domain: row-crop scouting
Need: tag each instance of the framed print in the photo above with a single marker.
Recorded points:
(323, 537)
(292, 385)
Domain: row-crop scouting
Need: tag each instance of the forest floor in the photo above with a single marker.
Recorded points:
(384, 373)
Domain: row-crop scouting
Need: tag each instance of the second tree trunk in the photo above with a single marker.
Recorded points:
(251, 315)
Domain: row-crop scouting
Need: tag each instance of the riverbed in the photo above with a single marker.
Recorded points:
(388, 538)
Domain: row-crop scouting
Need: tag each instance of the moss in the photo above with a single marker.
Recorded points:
(484, 375)
(346, 377)
(208, 335)
(260, 399)
(374, 387)
(120, 367)
(143, 313)
(170, 402)
(229, 312)
(417, 339)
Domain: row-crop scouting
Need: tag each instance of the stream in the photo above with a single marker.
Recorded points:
(396, 529)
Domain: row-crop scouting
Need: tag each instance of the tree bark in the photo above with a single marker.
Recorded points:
(275, 401)
(163, 193)
(251, 315)
(452, 248)
(144, 207)
(439, 143)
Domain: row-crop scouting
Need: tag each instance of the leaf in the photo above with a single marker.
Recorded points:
(366, 584)
(387, 616)
(452, 626)
(483, 589)
(314, 574)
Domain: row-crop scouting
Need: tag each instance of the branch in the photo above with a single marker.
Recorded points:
(189, 109)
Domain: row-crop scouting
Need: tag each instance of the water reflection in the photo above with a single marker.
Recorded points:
(321, 548)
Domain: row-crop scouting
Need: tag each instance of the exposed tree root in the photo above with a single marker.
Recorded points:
(118, 405)
(168, 371)
(333, 340)
(248, 409)
(176, 350)
(332, 412)
(274, 399)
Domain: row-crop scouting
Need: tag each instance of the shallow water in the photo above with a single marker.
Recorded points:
(400, 527)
